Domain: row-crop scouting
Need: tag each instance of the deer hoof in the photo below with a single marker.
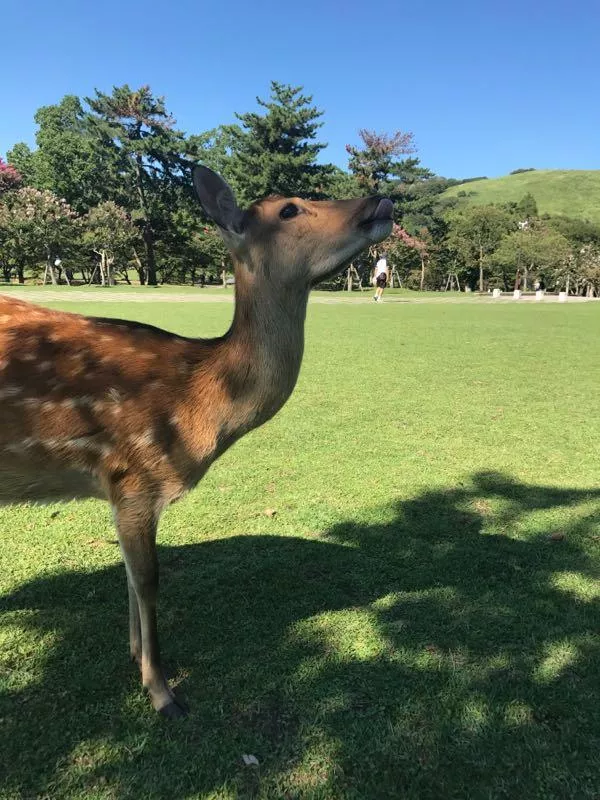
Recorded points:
(176, 709)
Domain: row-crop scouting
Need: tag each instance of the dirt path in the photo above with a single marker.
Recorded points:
(76, 295)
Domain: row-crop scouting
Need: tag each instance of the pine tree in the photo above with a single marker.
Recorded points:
(276, 152)
(148, 155)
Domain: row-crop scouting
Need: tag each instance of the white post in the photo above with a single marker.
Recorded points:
(517, 294)
(562, 297)
(496, 293)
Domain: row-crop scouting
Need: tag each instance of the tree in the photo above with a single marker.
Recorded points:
(65, 161)
(109, 231)
(589, 270)
(527, 207)
(10, 178)
(533, 250)
(149, 155)
(400, 242)
(343, 185)
(276, 152)
(22, 159)
(36, 226)
(375, 162)
(474, 234)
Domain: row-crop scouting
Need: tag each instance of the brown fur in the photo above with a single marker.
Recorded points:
(135, 415)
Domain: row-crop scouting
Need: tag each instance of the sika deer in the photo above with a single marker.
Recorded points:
(135, 415)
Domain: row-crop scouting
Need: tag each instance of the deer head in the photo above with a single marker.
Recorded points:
(291, 242)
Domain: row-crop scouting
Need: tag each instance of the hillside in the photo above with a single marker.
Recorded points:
(574, 193)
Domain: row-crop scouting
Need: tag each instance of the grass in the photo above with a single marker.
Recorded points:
(573, 193)
(419, 619)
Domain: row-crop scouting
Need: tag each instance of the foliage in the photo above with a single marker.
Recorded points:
(533, 251)
(36, 226)
(109, 231)
(124, 148)
(276, 152)
(136, 128)
(474, 234)
(10, 178)
(527, 207)
(376, 161)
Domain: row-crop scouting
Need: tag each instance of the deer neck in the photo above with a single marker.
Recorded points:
(265, 343)
(253, 368)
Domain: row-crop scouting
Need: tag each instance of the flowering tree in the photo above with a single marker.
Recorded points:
(402, 243)
(375, 162)
(35, 226)
(111, 234)
(10, 178)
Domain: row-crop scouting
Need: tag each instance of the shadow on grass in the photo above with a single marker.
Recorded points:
(423, 658)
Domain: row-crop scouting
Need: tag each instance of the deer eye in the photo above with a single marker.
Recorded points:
(289, 211)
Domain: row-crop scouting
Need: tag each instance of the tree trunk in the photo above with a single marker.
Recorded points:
(140, 268)
(481, 269)
(150, 259)
(147, 233)
(20, 273)
(422, 272)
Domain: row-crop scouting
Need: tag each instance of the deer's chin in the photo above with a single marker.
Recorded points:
(379, 229)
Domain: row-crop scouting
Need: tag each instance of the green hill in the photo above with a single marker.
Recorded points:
(574, 193)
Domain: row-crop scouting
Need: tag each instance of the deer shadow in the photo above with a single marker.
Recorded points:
(430, 658)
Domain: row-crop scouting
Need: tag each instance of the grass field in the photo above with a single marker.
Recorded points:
(573, 193)
(418, 619)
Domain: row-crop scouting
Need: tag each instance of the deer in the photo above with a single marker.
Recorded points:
(135, 415)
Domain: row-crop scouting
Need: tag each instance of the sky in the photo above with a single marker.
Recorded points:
(484, 87)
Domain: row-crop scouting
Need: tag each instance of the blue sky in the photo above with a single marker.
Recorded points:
(485, 87)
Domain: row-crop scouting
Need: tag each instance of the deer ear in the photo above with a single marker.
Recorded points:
(217, 199)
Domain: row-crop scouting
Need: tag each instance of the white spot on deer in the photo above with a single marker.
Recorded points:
(31, 402)
(143, 439)
(4, 318)
(28, 357)
(68, 402)
(48, 406)
(114, 395)
(44, 365)
(106, 339)
(3, 364)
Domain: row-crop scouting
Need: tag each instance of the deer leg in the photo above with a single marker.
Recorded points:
(135, 629)
(137, 537)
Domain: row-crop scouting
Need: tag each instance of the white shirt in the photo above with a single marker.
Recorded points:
(381, 266)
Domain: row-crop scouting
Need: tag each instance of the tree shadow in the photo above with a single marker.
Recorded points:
(420, 658)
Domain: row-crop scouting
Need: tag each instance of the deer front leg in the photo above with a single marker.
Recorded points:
(137, 537)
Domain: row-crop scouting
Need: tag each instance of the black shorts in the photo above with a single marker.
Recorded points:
(382, 280)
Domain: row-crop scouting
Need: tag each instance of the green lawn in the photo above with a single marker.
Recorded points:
(571, 192)
(419, 619)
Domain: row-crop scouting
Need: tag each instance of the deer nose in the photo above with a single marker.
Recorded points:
(384, 210)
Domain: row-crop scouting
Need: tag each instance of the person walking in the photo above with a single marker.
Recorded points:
(381, 277)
